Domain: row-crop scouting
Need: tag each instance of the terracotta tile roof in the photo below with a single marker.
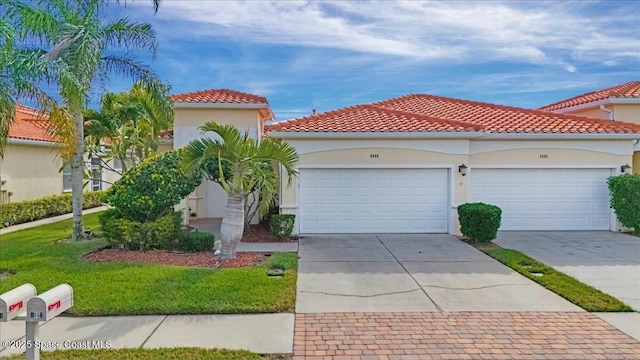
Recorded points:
(29, 124)
(364, 118)
(628, 90)
(419, 112)
(219, 96)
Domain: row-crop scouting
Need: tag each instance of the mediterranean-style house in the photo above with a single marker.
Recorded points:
(30, 167)
(616, 103)
(405, 164)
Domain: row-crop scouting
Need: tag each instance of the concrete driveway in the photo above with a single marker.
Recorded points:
(605, 260)
(400, 272)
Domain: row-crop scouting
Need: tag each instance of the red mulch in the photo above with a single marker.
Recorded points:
(201, 259)
(261, 234)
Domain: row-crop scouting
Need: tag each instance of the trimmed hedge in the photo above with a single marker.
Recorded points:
(31, 210)
(134, 235)
(281, 225)
(479, 222)
(625, 199)
(196, 241)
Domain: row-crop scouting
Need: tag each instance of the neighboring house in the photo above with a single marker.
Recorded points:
(246, 111)
(403, 165)
(617, 103)
(30, 167)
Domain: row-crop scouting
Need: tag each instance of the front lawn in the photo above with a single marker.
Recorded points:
(45, 257)
(152, 354)
(581, 294)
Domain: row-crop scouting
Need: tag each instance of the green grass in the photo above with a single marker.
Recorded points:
(152, 354)
(581, 294)
(45, 257)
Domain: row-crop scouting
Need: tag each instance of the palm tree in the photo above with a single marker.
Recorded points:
(130, 122)
(246, 157)
(79, 51)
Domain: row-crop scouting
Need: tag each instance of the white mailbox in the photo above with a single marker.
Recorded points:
(50, 304)
(14, 302)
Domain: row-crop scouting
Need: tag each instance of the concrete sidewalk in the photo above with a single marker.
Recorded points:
(260, 333)
(50, 220)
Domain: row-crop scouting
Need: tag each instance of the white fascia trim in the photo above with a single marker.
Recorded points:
(203, 105)
(541, 167)
(375, 135)
(624, 100)
(565, 136)
(32, 142)
(376, 166)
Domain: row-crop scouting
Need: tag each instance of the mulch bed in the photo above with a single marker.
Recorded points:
(260, 233)
(201, 259)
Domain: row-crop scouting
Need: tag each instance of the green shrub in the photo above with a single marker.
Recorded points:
(196, 241)
(48, 206)
(150, 189)
(135, 235)
(281, 225)
(625, 199)
(479, 222)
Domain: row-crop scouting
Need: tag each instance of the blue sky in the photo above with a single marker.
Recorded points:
(325, 55)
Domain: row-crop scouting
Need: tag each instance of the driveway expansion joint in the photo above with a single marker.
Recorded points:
(473, 288)
(408, 272)
(360, 296)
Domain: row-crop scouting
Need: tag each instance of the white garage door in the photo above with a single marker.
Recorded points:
(373, 200)
(545, 199)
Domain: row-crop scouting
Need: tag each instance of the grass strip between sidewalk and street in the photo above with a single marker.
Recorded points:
(579, 293)
(153, 354)
(45, 257)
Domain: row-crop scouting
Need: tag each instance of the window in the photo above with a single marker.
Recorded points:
(66, 178)
(117, 164)
(96, 173)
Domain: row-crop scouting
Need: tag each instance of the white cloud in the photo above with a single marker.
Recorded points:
(529, 32)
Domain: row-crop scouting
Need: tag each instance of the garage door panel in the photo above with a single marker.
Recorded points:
(373, 200)
(545, 199)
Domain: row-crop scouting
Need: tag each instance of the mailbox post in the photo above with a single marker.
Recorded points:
(44, 308)
(13, 303)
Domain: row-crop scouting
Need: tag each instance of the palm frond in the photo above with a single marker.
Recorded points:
(127, 35)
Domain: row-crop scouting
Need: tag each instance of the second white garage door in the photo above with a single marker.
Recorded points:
(545, 199)
(373, 200)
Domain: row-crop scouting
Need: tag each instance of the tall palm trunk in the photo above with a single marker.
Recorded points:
(232, 226)
(77, 163)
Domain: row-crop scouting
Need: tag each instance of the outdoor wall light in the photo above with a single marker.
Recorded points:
(462, 169)
(624, 168)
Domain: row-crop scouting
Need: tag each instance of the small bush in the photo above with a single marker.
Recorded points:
(196, 241)
(281, 225)
(150, 189)
(479, 222)
(135, 235)
(48, 206)
(625, 199)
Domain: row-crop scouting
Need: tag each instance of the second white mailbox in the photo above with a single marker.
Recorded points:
(50, 304)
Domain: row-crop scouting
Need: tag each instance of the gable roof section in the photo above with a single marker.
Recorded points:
(428, 113)
(29, 124)
(625, 91)
(224, 98)
(220, 96)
